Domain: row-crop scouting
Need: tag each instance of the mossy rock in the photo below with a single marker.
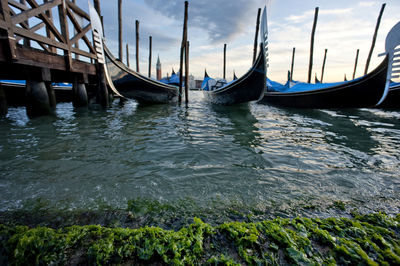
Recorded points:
(365, 239)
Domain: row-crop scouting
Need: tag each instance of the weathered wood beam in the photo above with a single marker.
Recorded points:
(323, 66)
(137, 45)
(378, 22)
(310, 64)
(355, 64)
(292, 66)
(80, 30)
(82, 33)
(120, 55)
(39, 38)
(127, 55)
(49, 33)
(18, 5)
(47, 20)
(183, 45)
(62, 14)
(37, 10)
(187, 73)
(78, 10)
(150, 53)
(5, 9)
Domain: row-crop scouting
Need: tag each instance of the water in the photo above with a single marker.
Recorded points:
(257, 156)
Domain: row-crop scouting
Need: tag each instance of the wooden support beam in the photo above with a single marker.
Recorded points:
(120, 30)
(26, 22)
(80, 12)
(19, 5)
(5, 9)
(310, 65)
(49, 33)
(292, 66)
(183, 45)
(82, 32)
(224, 68)
(187, 73)
(378, 22)
(150, 53)
(137, 45)
(355, 64)
(256, 37)
(3, 103)
(62, 14)
(323, 66)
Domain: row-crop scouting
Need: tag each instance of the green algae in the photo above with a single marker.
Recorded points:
(364, 239)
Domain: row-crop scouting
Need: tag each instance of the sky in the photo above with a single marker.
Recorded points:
(343, 27)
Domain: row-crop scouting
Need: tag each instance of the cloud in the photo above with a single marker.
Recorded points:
(222, 22)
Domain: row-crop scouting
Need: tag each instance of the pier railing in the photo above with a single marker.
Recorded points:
(31, 36)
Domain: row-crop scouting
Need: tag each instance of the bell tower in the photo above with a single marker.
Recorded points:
(158, 68)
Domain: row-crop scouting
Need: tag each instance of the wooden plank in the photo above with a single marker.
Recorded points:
(79, 29)
(37, 10)
(18, 5)
(78, 11)
(78, 36)
(81, 52)
(39, 38)
(3, 24)
(48, 21)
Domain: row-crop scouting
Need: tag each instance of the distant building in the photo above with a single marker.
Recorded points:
(158, 68)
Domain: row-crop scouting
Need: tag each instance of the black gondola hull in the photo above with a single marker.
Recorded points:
(359, 93)
(133, 85)
(247, 88)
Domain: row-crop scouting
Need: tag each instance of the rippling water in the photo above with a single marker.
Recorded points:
(258, 155)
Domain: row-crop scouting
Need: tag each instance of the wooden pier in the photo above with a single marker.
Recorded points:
(36, 48)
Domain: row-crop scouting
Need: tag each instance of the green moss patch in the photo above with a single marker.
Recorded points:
(366, 239)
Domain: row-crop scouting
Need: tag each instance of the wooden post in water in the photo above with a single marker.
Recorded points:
(137, 45)
(374, 39)
(3, 103)
(224, 61)
(120, 30)
(183, 45)
(310, 65)
(355, 64)
(323, 66)
(150, 52)
(256, 37)
(187, 72)
(127, 55)
(291, 68)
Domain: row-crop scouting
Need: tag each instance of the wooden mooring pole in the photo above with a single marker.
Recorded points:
(137, 45)
(183, 45)
(323, 66)
(120, 55)
(310, 65)
(224, 70)
(378, 22)
(256, 37)
(355, 64)
(291, 68)
(150, 52)
(127, 55)
(187, 72)
(3, 102)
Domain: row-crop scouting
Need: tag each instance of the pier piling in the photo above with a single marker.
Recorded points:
(291, 68)
(120, 30)
(355, 64)
(187, 73)
(79, 98)
(323, 66)
(38, 103)
(183, 45)
(224, 70)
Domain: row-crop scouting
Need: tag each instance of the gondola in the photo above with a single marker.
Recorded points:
(133, 85)
(367, 91)
(249, 87)
(123, 81)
